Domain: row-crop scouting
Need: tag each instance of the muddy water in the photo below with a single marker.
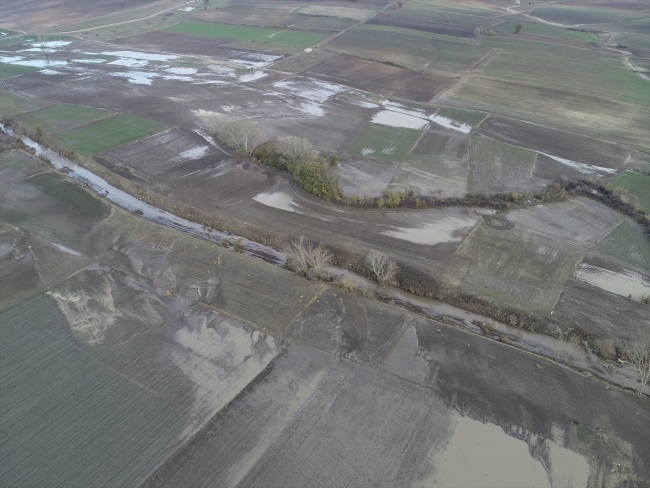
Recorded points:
(482, 455)
(626, 283)
(450, 229)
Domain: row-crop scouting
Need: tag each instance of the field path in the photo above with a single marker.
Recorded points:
(125, 21)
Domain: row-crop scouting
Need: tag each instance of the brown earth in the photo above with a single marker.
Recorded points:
(555, 142)
(18, 14)
(441, 142)
(381, 78)
(435, 27)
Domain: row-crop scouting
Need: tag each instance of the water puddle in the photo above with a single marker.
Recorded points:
(398, 119)
(450, 124)
(316, 91)
(449, 229)
(626, 283)
(279, 200)
(252, 77)
(586, 169)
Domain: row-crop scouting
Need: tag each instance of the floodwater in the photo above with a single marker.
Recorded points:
(450, 124)
(317, 91)
(279, 200)
(398, 119)
(482, 455)
(449, 229)
(626, 283)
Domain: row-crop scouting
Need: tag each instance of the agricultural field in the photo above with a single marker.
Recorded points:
(637, 184)
(8, 70)
(516, 267)
(107, 134)
(466, 117)
(443, 143)
(384, 142)
(547, 30)
(497, 167)
(294, 38)
(341, 12)
(61, 118)
(627, 243)
(572, 15)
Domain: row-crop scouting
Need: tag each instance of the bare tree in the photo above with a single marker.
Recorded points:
(242, 135)
(382, 267)
(638, 354)
(567, 348)
(296, 149)
(303, 256)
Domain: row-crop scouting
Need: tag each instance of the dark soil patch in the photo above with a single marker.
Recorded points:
(381, 78)
(549, 169)
(447, 143)
(555, 142)
(500, 223)
(171, 42)
(436, 28)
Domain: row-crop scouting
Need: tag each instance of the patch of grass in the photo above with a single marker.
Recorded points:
(279, 36)
(110, 133)
(571, 15)
(9, 70)
(417, 33)
(69, 196)
(548, 30)
(468, 117)
(266, 47)
(495, 165)
(629, 243)
(63, 117)
(11, 104)
(383, 142)
(637, 184)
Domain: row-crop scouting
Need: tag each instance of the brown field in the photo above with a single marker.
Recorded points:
(435, 27)
(555, 142)
(380, 78)
(360, 176)
(437, 176)
(18, 14)
(444, 143)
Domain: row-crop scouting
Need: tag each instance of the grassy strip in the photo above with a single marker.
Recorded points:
(417, 33)
(63, 117)
(292, 37)
(463, 116)
(383, 142)
(9, 70)
(11, 104)
(548, 30)
(110, 133)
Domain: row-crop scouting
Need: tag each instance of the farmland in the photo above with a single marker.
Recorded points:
(62, 118)
(160, 325)
(383, 142)
(110, 133)
(295, 38)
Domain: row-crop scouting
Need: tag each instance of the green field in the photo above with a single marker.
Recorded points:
(465, 16)
(628, 243)
(416, 33)
(63, 117)
(295, 38)
(11, 104)
(417, 53)
(8, 70)
(383, 142)
(548, 30)
(468, 117)
(637, 184)
(110, 133)
(495, 166)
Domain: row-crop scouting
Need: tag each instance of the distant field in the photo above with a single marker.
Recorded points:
(8, 70)
(11, 104)
(468, 117)
(637, 184)
(548, 30)
(516, 267)
(417, 33)
(416, 53)
(629, 243)
(382, 142)
(280, 36)
(110, 133)
(63, 117)
(465, 16)
(342, 12)
(571, 15)
(495, 166)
